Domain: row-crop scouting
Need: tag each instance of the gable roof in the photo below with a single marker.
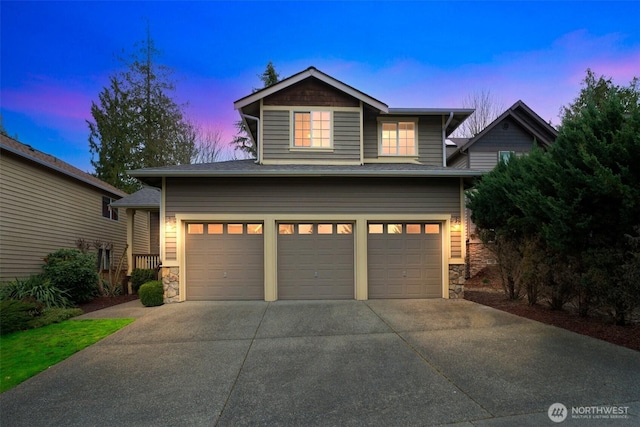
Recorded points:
(524, 116)
(56, 165)
(146, 198)
(310, 72)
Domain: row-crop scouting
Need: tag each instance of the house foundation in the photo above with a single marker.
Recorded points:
(456, 280)
(171, 284)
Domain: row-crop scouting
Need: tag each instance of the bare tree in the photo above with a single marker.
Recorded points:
(487, 107)
(209, 147)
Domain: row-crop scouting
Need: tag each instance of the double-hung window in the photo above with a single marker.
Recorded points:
(312, 129)
(398, 139)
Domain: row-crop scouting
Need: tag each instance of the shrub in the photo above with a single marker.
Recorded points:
(152, 293)
(37, 288)
(54, 315)
(139, 276)
(15, 315)
(74, 272)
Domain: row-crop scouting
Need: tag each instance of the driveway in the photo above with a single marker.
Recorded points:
(382, 362)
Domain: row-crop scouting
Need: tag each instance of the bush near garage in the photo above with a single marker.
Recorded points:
(74, 272)
(152, 293)
(139, 276)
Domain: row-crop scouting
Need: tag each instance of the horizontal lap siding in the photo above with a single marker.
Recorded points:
(277, 138)
(41, 212)
(326, 195)
(370, 132)
(484, 152)
(430, 140)
(309, 196)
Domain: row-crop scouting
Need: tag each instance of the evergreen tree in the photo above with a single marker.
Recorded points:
(136, 122)
(242, 141)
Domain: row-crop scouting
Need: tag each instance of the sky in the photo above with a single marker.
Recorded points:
(56, 57)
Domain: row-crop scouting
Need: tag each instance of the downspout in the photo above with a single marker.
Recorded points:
(257, 119)
(444, 140)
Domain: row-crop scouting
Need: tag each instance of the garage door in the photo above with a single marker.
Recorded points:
(404, 260)
(315, 261)
(224, 261)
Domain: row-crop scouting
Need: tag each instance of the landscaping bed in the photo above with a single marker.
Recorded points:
(485, 289)
(103, 302)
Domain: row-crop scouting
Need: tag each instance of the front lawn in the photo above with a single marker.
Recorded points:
(24, 354)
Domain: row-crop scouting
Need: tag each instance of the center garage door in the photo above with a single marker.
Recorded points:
(315, 261)
(404, 260)
(224, 261)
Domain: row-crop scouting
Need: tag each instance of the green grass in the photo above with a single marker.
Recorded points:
(24, 354)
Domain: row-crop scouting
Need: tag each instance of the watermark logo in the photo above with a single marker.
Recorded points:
(557, 412)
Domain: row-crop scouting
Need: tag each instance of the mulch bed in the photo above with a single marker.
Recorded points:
(485, 289)
(104, 302)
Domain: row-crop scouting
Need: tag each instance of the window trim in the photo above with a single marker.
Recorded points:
(507, 153)
(292, 139)
(112, 212)
(397, 121)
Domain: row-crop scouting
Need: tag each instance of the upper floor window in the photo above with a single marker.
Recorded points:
(398, 139)
(312, 129)
(504, 156)
(108, 211)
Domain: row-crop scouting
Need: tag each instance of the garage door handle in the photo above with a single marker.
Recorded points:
(404, 273)
(225, 274)
(315, 274)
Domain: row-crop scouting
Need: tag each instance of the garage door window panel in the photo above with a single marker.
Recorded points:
(214, 228)
(195, 228)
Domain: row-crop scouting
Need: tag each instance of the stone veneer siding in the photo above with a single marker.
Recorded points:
(171, 284)
(478, 257)
(456, 280)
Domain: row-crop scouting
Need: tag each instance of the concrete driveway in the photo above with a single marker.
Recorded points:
(384, 362)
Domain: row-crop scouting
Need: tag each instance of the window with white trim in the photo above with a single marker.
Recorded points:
(107, 210)
(312, 129)
(398, 138)
(504, 156)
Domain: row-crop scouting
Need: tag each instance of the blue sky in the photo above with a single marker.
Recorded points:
(56, 57)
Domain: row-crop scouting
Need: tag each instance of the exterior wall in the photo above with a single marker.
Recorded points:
(460, 162)
(429, 139)
(478, 257)
(277, 135)
(42, 211)
(312, 196)
(311, 92)
(141, 233)
(506, 136)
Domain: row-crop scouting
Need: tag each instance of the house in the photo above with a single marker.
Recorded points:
(47, 204)
(514, 132)
(347, 199)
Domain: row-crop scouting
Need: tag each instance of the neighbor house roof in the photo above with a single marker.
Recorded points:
(54, 164)
(147, 198)
(249, 168)
(524, 116)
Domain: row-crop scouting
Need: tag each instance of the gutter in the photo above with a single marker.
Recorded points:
(444, 139)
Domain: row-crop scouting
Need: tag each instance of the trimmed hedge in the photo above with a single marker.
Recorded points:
(152, 293)
(140, 276)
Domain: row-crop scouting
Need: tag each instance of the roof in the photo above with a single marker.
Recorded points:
(53, 163)
(310, 72)
(544, 133)
(249, 168)
(147, 198)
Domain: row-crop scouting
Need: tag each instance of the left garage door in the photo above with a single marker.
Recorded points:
(224, 261)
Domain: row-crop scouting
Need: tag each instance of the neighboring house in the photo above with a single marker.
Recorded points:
(514, 132)
(47, 204)
(145, 202)
(348, 199)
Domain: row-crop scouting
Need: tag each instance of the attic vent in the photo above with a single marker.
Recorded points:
(505, 126)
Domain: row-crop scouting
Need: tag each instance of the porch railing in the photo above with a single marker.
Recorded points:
(149, 261)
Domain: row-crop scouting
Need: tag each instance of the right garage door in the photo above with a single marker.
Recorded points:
(404, 260)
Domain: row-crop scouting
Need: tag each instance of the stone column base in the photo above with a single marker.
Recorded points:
(456, 281)
(171, 284)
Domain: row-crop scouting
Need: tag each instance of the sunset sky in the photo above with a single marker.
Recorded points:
(56, 57)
